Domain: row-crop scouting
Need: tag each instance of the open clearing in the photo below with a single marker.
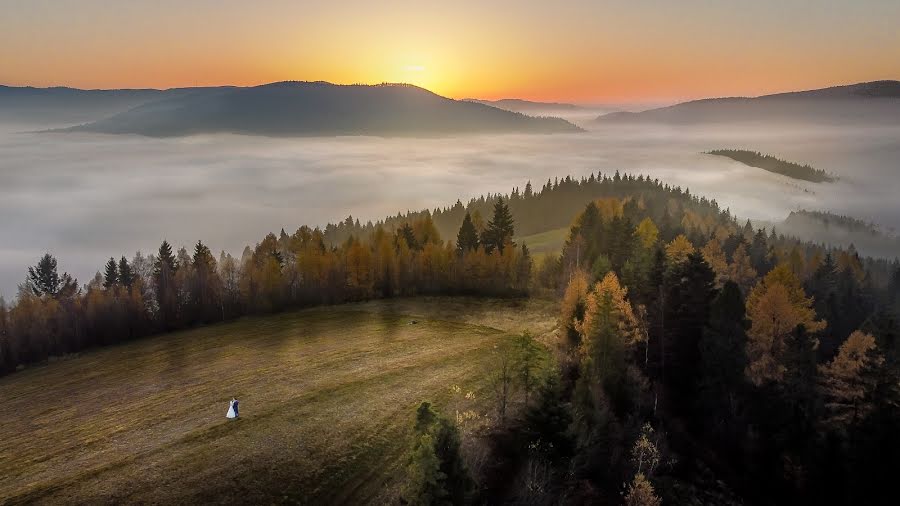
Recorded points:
(327, 401)
(545, 243)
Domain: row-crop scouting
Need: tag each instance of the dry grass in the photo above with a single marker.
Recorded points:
(327, 398)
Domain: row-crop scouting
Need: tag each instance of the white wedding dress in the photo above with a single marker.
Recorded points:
(231, 413)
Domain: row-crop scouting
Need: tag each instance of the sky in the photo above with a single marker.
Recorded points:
(590, 51)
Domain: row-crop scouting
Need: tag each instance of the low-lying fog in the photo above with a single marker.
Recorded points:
(85, 198)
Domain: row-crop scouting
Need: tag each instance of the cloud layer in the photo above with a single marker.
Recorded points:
(86, 197)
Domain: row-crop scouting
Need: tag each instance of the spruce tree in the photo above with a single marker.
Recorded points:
(467, 238)
(111, 274)
(164, 281)
(45, 280)
(500, 229)
(126, 274)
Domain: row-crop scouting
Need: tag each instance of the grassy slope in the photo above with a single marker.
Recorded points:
(544, 243)
(327, 398)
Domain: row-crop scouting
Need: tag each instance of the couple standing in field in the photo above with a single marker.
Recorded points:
(232, 409)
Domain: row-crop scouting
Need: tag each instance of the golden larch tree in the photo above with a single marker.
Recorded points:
(775, 307)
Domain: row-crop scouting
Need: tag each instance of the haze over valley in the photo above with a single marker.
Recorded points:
(93, 194)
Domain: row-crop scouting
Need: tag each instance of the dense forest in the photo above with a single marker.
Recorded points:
(703, 362)
(776, 165)
(698, 360)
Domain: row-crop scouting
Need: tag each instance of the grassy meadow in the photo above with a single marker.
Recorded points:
(327, 401)
(545, 243)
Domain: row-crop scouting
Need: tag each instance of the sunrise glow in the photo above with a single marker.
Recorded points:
(581, 51)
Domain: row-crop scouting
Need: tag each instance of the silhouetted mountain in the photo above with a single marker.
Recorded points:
(524, 106)
(320, 108)
(61, 106)
(876, 102)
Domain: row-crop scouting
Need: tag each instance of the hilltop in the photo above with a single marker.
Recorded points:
(876, 102)
(320, 109)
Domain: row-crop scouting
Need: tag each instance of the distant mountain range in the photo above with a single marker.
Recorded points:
(279, 109)
(873, 103)
(525, 106)
(60, 105)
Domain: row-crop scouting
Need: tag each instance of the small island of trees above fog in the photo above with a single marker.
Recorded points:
(287, 109)
(776, 165)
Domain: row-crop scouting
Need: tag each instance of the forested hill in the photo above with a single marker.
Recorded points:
(871, 103)
(535, 210)
(843, 231)
(321, 109)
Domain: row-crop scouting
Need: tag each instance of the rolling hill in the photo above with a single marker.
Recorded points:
(327, 400)
(320, 109)
(872, 103)
(59, 106)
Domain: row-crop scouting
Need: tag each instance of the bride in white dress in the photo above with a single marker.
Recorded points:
(232, 413)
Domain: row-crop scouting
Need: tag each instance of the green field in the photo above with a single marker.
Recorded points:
(327, 399)
(545, 243)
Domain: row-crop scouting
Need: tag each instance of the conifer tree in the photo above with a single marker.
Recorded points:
(500, 229)
(164, 271)
(467, 238)
(111, 274)
(126, 274)
(45, 280)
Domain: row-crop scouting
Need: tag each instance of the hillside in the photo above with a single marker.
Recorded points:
(327, 399)
(840, 231)
(320, 108)
(62, 106)
(876, 102)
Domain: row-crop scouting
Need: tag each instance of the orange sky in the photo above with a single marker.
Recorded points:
(582, 51)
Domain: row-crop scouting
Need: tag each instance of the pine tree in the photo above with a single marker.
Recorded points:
(205, 286)
(500, 229)
(722, 355)
(467, 238)
(126, 274)
(691, 291)
(45, 280)
(436, 471)
(164, 271)
(111, 274)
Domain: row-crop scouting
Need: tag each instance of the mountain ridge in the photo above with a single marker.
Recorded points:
(859, 101)
(311, 108)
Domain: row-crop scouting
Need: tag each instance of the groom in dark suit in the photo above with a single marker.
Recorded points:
(235, 405)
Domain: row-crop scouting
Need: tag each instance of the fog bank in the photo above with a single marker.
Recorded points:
(86, 197)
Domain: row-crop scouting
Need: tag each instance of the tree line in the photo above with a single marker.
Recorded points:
(170, 290)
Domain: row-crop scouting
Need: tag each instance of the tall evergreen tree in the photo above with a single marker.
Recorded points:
(126, 274)
(205, 285)
(723, 358)
(111, 274)
(691, 291)
(45, 280)
(500, 229)
(164, 280)
(467, 238)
